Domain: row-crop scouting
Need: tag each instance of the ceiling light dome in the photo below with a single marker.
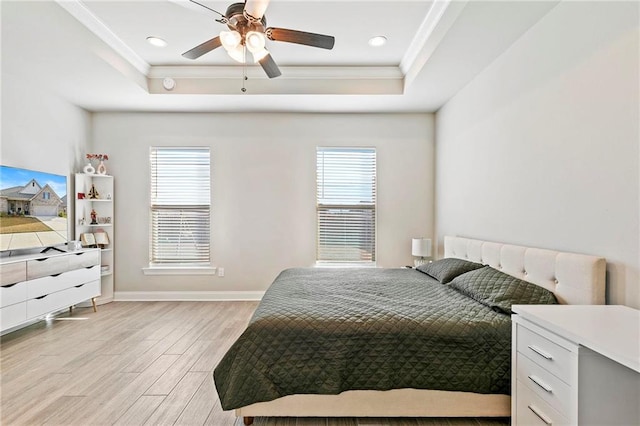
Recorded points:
(258, 55)
(237, 53)
(230, 39)
(255, 41)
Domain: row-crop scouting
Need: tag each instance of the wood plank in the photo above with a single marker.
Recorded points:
(198, 409)
(174, 404)
(137, 362)
(140, 411)
(120, 402)
(179, 369)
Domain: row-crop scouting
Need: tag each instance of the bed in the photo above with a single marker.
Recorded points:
(301, 355)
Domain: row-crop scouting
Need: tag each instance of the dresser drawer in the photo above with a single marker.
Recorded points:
(84, 259)
(13, 315)
(37, 268)
(62, 299)
(12, 273)
(547, 354)
(532, 410)
(11, 294)
(51, 284)
(544, 384)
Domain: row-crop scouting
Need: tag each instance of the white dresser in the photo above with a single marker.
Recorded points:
(32, 286)
(575, 364)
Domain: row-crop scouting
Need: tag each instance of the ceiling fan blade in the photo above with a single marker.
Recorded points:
(255, 9)
(203, 48)
(301, 37)
(269, 66)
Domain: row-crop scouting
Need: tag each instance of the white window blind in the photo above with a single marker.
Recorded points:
(180, 206)
(346, 204)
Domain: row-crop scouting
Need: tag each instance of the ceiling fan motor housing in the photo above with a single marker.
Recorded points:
(237, 21)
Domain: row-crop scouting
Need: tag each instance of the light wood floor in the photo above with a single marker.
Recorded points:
(135, 363)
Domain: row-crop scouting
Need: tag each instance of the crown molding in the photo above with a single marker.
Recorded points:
(227, 80)
(78, 10)
(292, 72)
(441, 15)
(215, 85)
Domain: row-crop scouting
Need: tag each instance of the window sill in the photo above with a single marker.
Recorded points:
(179, 270)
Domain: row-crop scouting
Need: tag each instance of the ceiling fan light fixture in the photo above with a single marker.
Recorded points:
(259, 55)
(255, 41)
(237, 54)
(254, 9)
(377, 41)
(230, 40)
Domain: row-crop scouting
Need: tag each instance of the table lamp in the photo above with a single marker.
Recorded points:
(421, 247)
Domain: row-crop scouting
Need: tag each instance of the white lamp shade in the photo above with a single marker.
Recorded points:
(237, 54)
(230, 39)
(255, 41)
(421, 247)
(259, 55)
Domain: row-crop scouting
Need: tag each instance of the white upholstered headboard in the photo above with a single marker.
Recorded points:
(575, 279)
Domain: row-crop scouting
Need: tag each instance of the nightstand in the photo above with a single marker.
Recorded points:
(575, 364)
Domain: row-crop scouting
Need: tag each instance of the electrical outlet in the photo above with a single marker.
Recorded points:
(220, 272)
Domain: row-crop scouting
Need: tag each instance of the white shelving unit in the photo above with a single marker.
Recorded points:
(103, 206)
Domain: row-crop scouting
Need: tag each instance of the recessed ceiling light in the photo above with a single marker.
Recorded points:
(377, 41)
(156, 41)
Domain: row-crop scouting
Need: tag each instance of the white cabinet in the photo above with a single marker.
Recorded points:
(575, 365)
(94, 193)
(34, 285)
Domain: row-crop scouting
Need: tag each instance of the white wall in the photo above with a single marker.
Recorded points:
(40, 130)
(542, 148)
(263, 193)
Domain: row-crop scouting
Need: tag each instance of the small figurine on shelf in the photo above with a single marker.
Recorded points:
(94, 216)
(93, 193)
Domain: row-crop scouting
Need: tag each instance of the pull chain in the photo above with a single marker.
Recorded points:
(244, 69)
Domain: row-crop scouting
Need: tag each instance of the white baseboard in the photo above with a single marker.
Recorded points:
(186, 296)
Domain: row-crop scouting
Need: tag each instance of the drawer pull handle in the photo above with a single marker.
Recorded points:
(57, 275)
(79, 254)
(78, 286)
(540, 352)
(41, 297)
(540, 416)
(9, 285)
(540, 383)
(42, 259)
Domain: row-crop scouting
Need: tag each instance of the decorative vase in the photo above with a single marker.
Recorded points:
(88, 169)
(102, 169)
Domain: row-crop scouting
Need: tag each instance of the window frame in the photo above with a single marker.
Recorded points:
(359, 206)
(185, 267)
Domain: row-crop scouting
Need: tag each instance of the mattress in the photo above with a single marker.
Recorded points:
(325, 331)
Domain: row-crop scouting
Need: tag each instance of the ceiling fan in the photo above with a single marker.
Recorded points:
(248, 31)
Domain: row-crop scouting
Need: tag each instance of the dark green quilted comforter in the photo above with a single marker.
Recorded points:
(325, 331)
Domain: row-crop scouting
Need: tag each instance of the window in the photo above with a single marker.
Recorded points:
(346, 204)
(46, 195)
(180, 206)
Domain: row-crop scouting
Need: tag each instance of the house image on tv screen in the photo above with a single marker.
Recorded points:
(32, 199)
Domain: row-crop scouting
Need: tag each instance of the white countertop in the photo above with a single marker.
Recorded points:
(611, 330)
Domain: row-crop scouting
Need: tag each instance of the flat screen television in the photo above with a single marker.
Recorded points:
(33, 209)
